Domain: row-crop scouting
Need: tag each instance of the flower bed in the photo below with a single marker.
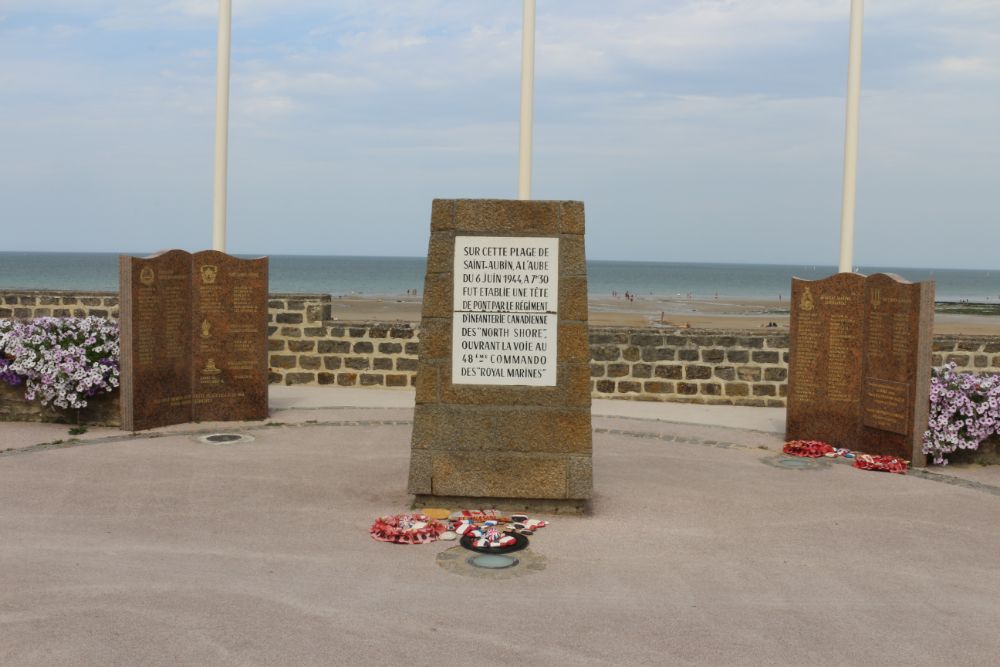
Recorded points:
(59, 369)
(965, 411)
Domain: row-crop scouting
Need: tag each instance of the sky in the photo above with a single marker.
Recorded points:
(693, 130)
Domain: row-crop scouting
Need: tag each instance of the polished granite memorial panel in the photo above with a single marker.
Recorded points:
(193, 338)
(859, 363)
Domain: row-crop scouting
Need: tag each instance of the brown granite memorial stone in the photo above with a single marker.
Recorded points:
(155, 321)
(229, 330)
(193, 338)
(895, 398)
(502, 414)
(824, 364)
(859, 357)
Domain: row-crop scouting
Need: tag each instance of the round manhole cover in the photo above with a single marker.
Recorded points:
(225, 438)
(492, 562)
(490, 566)
(795, 462)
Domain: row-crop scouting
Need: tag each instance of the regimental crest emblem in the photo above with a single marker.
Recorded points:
(806, 302)
(208, 274)
(875, 298)
(147, 276)
(206, 328)
(211, 374)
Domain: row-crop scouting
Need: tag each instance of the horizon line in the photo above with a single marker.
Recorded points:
(588, 259)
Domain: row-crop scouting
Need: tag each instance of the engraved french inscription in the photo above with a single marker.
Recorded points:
(505, 310)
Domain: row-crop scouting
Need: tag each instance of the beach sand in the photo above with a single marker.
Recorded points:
(721, 313)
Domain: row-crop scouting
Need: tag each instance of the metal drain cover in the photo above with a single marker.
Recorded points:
(492, 561)
(460, 560)
(225, 438)
(795, 462)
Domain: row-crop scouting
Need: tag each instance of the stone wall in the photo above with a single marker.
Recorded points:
(729, 367)
(307, 347)
(27, 304)
(976, 354)
(691, 365)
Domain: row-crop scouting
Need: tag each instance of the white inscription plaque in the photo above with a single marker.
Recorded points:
(504, 320)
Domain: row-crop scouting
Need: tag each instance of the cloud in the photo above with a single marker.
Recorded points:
(696, 129)
(263, 79)
(382, 42)
(959, 65)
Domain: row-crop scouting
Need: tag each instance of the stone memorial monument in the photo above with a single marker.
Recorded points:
(859, 363)
(896, 364)
(824, 361)
(502, 414)
(193, 338)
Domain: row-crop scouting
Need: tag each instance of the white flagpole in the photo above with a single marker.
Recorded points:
(851, 139)
(220, 180)
(527, 99)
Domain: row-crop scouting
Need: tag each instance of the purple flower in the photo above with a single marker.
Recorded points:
(965, 410)
(61, 361)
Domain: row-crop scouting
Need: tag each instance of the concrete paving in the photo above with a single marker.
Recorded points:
(158, 549)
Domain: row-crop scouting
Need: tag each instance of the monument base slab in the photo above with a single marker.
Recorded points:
(526, 505)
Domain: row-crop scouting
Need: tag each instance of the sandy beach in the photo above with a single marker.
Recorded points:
(721, 313)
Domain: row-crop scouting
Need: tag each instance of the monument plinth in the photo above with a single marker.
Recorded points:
(859, 363)
(502, 414)
(193, 338)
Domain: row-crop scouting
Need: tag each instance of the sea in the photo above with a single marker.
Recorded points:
(397, 276)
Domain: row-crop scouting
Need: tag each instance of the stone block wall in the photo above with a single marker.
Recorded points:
(974, 354)
(691, 365)
(729, 367)
(307, 347)
(28, 304)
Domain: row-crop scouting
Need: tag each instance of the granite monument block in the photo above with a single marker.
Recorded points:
(824, 364)
(859, 363)
(193, 338)
(895, 396)
(502, 412)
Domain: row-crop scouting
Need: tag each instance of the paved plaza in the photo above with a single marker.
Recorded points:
(702, 547)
